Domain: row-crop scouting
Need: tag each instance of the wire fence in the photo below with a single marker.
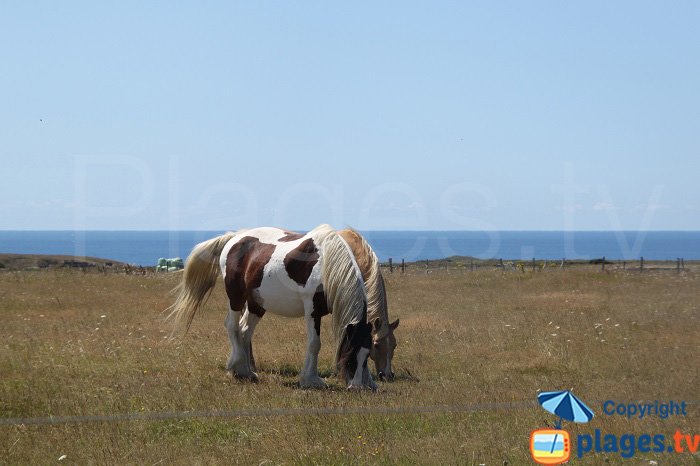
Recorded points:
(268, 412)
(282, 412)
(535, 265)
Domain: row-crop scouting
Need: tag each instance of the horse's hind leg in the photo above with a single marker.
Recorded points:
(238, 363)
(250, 353)
(243, 322)
(233, 330)
(248, 322)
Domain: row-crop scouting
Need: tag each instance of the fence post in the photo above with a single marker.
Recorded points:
(471, 265)
(500, 263)
(682, 263)
(602, 269)
(403, 266)
(427, 264)
(562, 263)
(391, 265)
(641, 264)
(678, 264)
(533, 264)
(624, 265)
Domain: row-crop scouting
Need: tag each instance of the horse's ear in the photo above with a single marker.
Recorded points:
(394, 324)
(376, 324)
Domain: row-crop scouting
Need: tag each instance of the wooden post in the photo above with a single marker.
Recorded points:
(427, 264)
(563, 260)
(471, 265)
(682, 263)
(678, 264)
(641, 264)
(500, 263)
(624, 265)
(403, 266)
(391, 265)
(602, 268)
(533, 264)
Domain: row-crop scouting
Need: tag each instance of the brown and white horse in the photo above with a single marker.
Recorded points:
(272, 270)
(383, 339)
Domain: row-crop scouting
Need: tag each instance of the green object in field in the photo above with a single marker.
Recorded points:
(170, 265)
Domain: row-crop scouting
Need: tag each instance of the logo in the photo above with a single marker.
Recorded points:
(550, 446)
(553, 446)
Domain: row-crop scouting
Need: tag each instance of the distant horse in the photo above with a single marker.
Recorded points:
(289, 274)
(383, 339)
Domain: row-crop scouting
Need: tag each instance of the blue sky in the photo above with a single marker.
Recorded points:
(380, 115)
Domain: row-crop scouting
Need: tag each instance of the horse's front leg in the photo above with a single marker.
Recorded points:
(309, 375)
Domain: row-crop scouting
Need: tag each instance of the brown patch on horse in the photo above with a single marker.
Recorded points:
(320, 308)
(291, 236)
(361, 256)
(244, 270)
(255, 308)
(300, 261)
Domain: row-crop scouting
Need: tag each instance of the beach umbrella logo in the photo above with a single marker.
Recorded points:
(565, 405)
(553, 446)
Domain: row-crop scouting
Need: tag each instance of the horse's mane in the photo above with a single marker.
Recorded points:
(342, 282)
(374, 281)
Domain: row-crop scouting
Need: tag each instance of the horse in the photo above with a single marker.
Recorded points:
(383, 339)
(273, 270)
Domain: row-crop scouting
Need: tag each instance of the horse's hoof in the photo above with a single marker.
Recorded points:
(317, 382)
(252, 377)
(357, 388)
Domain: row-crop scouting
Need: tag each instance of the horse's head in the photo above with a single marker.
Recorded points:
(352, 360)
(382, 352)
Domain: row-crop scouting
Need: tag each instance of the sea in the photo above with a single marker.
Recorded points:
(146, 247)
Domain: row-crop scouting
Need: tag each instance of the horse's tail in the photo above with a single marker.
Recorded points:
(198, 280)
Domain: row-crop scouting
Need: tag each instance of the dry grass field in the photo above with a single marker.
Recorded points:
(475, 346)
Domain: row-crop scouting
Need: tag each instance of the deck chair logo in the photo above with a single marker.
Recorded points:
(553, 446)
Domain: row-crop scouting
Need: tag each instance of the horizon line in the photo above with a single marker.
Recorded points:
(3, 230)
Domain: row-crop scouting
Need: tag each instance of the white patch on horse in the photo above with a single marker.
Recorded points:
(277, 286)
